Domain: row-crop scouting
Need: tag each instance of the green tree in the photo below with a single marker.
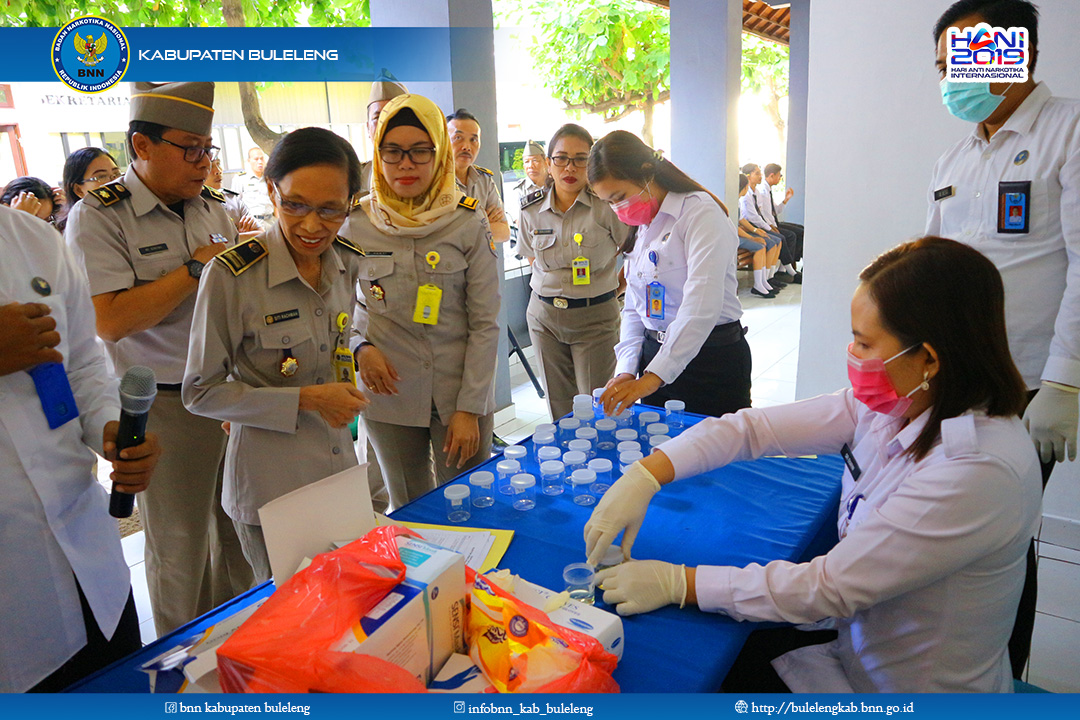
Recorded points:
(608, 57)
(765, 71)
(198, 13)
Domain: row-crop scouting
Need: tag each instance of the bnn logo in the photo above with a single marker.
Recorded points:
(985, 45)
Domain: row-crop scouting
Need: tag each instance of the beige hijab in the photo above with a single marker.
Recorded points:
(423, 215)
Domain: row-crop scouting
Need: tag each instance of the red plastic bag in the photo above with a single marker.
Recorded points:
(519, 649)
(283, 646)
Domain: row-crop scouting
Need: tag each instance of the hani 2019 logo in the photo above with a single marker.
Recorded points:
(987, 54)
(90, 54)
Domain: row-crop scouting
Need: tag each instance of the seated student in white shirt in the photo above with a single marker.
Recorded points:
(939, 502)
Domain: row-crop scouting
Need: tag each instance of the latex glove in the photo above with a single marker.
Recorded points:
(622, 507)
(1051, 419)
(643, 586)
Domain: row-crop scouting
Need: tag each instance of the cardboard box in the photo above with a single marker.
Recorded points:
(395, 630)
(603, 625)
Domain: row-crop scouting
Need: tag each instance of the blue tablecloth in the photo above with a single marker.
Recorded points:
(769, 509)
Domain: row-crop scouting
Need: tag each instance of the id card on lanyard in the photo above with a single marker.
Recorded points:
(428, 297)
(344, 364)
(654, 292)
(580, 265)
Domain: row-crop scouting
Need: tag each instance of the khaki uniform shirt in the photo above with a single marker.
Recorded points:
(235, 207)
(547, 235)
(133, 240)
(451, 365)
(365, 177)
(480, 184)
(245, 325)
(253, 190)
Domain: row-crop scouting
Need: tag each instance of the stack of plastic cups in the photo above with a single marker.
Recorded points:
(506, 470)
(627, 459)
(628, 446)
(523, 491)
(674, 416)
(605, 434)
(574, 460)
(645, 419)
(481, 482)
(567, 430)
(542, 440)
(552, 477)
(602, 468)
(625, 419)
(582, 480)
(656, 428)
(583, 446)
(597, 405)
(656, 441)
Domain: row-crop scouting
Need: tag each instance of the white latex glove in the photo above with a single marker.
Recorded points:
(643, 586)
(1051, 419)
(622, 507)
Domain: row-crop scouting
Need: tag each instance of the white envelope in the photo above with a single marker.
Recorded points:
(307, 521)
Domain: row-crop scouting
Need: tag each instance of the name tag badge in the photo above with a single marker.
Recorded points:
(580, 267)
(153, 249)
(945, 192)
(282, 316)
(428, 298)
(851, 462)
(654, 307)
(344, 366)
(54, 392)
(1014, 207)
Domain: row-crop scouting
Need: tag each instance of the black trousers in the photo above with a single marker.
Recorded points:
(753, 672)
(98, 652)
(1020, 640)
(797, 231)
(716, 382)
(787, 248)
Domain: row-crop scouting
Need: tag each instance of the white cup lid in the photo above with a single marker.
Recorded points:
(506, 466)
(569, 423)
(481, 477)
(583, 476)
(522, 481)
(585, 433)
(543, 438)
(574, 457)
(605, 425)
(550, 467)
(657, 429)
(600, 465)
(549, 453)
(626, 434)
(648, 417)
(579, 445)
(674, 405)
(630, 456)
(629, 446)
(514, 452)
(456, 492)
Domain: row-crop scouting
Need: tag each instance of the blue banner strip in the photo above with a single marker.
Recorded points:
(608, 707)
(265, 54)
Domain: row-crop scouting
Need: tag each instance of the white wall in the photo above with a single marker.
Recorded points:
(875, 127)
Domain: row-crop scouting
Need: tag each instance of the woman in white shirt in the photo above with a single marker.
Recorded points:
(681, 335)
(940, 498)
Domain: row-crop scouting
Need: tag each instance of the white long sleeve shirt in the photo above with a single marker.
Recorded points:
(750, 210)
(695, 246)
(1039, 144)
(765, 203)
(930, 565)
(54, 520)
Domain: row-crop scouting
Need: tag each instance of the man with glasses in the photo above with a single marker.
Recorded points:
(475, 181)
(144, 242)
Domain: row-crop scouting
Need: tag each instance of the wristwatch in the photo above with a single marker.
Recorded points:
(194, 268)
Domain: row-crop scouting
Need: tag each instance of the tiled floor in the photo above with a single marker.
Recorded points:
(773, 335)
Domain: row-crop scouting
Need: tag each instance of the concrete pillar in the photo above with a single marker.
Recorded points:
(470, 53)
(706, 69)
(798, 87)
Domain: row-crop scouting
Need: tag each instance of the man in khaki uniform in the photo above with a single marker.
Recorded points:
(382, 92)
(476, 181)
(144, 241)
(252, 187)
(536, 175)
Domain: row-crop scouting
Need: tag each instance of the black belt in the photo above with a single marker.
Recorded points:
(172, 388)
(721, 335)
(564, 303)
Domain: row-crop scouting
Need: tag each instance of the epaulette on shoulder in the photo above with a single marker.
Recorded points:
(111, 194)
(243, 256)
(469, 203)
(534, 196)
(229, 193)
(484, 170)
(348, 245)
(211, 193)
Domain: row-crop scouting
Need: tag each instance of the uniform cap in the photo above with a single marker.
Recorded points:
(382, 90)
(532, 148)
(187, 106)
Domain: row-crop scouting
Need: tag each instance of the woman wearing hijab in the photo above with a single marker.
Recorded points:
(428, 311)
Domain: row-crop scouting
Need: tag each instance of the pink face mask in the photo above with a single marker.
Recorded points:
(873, 387)
(637, 210)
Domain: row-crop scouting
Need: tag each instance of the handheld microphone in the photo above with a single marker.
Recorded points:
(138, 388)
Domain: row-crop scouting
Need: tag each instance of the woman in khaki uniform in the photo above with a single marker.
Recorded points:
(428, 315)
(271, 335)
(573, 241)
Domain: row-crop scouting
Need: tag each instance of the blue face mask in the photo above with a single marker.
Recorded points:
(971, 102)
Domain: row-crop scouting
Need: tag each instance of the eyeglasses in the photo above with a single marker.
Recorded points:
(579, 161)
(103, 177)
(392, 155)
(295, 209)
(194, 154)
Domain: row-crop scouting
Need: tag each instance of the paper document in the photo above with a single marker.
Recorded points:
(483, 548)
